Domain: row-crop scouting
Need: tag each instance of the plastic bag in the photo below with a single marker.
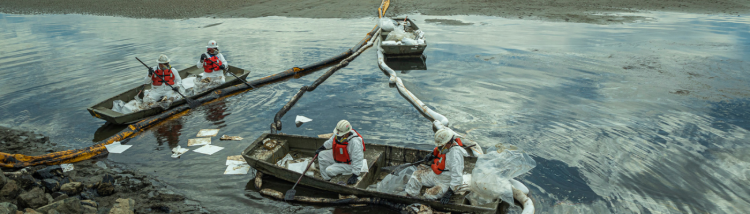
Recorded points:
(387, 24)
(496, 169)
(408, 41)
(117, 105)
(395, 184)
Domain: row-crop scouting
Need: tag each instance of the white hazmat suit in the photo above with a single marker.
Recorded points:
(157, 93)
(329, 167)
(217, 77)
(452, 177)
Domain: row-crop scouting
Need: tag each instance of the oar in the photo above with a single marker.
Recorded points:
(235, 76)
(190, 102)
(289, 196)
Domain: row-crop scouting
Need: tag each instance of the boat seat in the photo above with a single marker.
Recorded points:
(371, 156)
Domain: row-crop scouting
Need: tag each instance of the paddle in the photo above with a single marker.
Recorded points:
(398, 168)
(289, 196)
(190, 102)
(235, 76)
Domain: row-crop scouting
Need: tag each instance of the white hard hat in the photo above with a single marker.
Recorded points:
(342, 128)
(443, 136)
(212, 44)
(162, 59)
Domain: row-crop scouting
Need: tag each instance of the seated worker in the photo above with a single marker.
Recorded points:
(159, 77)
(345, 155)
(445, 174)
(214, 65)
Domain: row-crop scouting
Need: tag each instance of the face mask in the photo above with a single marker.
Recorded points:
(163, 67)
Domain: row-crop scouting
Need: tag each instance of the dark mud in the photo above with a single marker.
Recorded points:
(586, 11)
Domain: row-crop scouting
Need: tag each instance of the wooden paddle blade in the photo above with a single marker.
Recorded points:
(289, 196)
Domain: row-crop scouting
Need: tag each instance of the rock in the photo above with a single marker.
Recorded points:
(65, 181)
(123, 206)
(69, 205)
(106, 186)
(88, 209)
(32, 199)
(10, 190)
(53, 212)
(4, 210)
(57, 194)
(31, 211)
(27, 182)
(49, 172)
(59, 198)
(51, 185)
(90, 203)
(101, 165)
(72, 188)
(49, 198)
(3, 179)
(167, 195)
(11, 208)
(86, 195)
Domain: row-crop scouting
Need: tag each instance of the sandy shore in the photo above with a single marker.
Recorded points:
(587, 11)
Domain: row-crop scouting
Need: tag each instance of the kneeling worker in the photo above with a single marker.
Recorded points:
(160, 77)
(346, 154)
(445, 174)
(213, 64)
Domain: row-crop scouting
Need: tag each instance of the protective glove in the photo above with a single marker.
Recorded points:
(203, 57)
(352, 180)
(150, 71)
(222, 67)
(446, 197)
(320, 149)
(429, 157)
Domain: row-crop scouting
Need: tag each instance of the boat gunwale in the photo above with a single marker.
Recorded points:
(112, 119)
(261, 165)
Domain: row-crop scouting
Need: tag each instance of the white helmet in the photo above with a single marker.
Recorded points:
(162, 59)
(342, 128)
(212, 44)
(443, 136)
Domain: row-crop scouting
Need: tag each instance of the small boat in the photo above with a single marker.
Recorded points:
(103, 110)
(264, 160)
(402, 49)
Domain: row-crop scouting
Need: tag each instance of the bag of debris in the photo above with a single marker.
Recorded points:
(495, 170)
(117, 105)
(408, 41)
(395, 184)
(387, 24)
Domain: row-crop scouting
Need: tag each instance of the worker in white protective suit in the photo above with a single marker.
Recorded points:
(445, 174)
(160, 77)
(214, 65)
(343, 154)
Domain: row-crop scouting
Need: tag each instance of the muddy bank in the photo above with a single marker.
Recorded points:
(587, 11)
(93, 186)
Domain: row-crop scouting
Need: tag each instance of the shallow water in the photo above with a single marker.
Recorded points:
(645, 117)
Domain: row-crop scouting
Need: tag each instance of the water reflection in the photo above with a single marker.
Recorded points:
(215, 112)
(168, 132)
(406, 63)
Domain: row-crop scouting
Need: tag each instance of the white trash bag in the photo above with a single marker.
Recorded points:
(387, 24)
(396, 184)
(496, 169)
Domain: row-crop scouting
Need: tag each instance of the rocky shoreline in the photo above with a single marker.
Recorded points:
(92, 186)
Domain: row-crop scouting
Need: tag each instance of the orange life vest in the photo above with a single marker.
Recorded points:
(209, 65)
(438, 164)
(340, 153)
(166, 74)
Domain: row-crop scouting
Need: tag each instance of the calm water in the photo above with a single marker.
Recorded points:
(635, 118)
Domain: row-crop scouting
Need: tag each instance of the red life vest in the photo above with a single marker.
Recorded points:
(438, 164)
(340, 153)
(166, 74)
(209, 65)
